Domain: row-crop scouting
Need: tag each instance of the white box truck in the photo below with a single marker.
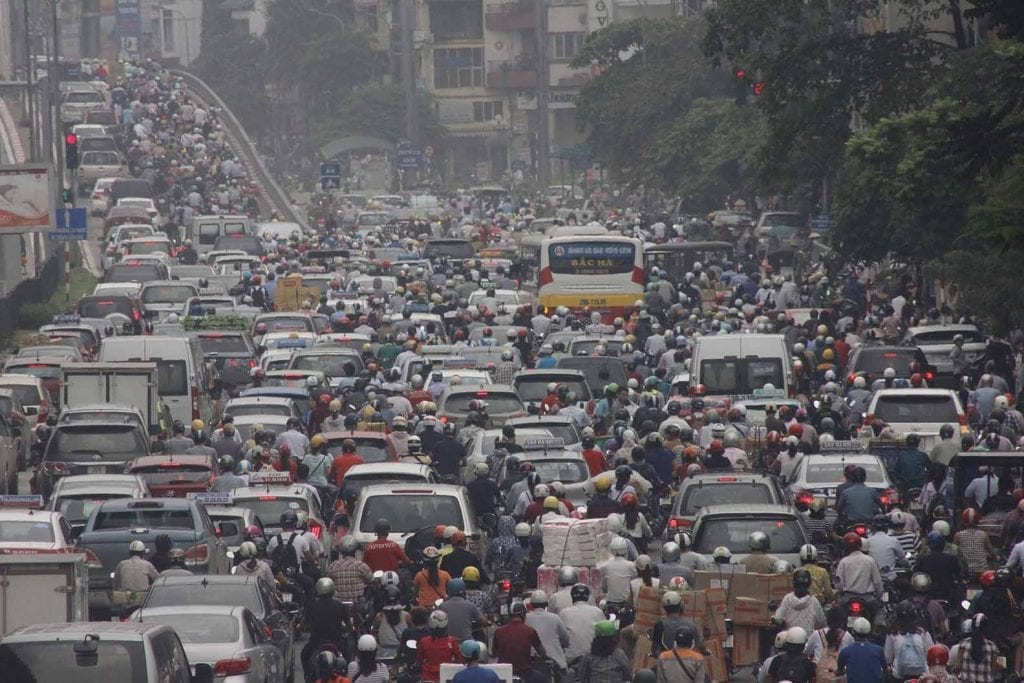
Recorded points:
(42, 589)
(123, 384)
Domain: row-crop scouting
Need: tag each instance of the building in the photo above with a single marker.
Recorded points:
(175, 29)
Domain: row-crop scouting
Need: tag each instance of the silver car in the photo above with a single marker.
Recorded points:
(937, 341)
(237, 645)
(731, 525)
(820, 476)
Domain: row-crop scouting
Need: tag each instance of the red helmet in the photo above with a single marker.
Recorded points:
(285, 449)
(853, 542)
(325, 399)
(938, 655)
(698, 390)
(970, 517)
(915, 380)
(773, 438)
(988, 578)
(488, 332)
(716, 447)
(439, 531)
(796, 429)
(629, 500)
(259, 373)
(371, 368)
(252, 531)
(521, 332)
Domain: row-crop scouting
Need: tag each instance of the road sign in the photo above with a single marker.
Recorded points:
(822, 221)
(518, 165)
(330, 169)
(408, 156)
(72, 224)
(330, 183)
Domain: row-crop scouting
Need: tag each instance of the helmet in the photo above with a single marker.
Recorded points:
(326, 661)
(568, 576)
(938, 655)
(801, 577)
(247, 549)
(523, 530)
(796, 636)
(137, 547)
(430, 554)
(672, 599)
(197, 425)
(629, 500)
(642, 562)
(605, 628)
(861, 626)
(947, 431)
(390, 579)
(921, 582)
(348, 546)
(457, 587)
(289, 518)
(551, 503)
(970, 517)
(325, 586)
(988, 578)
(619, 546)
(808, 553)
(721, 553)
(942, 526)
(227, 463)
(936, 540)
(670, 552)
(538, 598)
(438, 619)
(580, 592)
(852, 541)
(541, 491)
(782, 567)
(481, 469)
(470, 649)
(758, 540)
(317, 441)
(780, 639)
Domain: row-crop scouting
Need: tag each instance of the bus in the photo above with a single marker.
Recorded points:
(604, 273)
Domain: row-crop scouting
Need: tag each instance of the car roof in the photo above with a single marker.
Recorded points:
(845, 458)
(13, 514)
(355, 434)
(945, 328)
(716, 477)
(74, 631)
(411, 488)
(386, 468)
(131, 503)
(205, 579)
(159, 459)
(749, 509)
(916, 391)
(491, 389)
(226, 610)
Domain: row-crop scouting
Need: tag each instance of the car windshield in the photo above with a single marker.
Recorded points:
(173, 473)
(130, 272)
(497, 403)
(696, 497)
(370, 450)
(40, 370)
(55, 660)
(740, 375)
(331, 364)
(108, 443)
(453, 249)
(100, 159)
(598, 372)
(530, 389)
(270, 507)
(195, 593)
(198, 628)
(155, 518)
(25, 531)
(288, 325)
(102, 307)
(354, 484)
(223, 344)
(246, 410)
(908, 408)
(167, 294)
(941, 336)
(409, 512)
(77, 508)
(784, 534)
(876, 361)
(28, 396)
(832, 473)
(566, 471)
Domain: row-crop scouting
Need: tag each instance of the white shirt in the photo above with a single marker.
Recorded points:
(981, 488)
(1016, 558)
(617, 575)
(302, 545)
(579, 619)
(552, 632)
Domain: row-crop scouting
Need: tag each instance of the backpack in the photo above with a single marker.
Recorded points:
(283, 557)
(910, 660)
(259, 297)
(828, 662)
(796, 668)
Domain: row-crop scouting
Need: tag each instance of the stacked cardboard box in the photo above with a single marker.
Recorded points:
(575, 542)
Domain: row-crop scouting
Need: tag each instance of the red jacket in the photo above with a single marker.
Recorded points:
(432, 652)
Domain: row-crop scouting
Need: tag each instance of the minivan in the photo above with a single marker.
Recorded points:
(205, 230)
(740, 364)
(186, 385)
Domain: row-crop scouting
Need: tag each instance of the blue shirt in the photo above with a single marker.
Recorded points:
(663, 462)
(476, 674)
(863, 661)
(859, 503)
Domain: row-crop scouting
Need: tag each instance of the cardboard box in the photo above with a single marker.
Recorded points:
(648, 608)
(746, 645)
(751, 612)
(716, 660)
(642, 651)
(714, 620)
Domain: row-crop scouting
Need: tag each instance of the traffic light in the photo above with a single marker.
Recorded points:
(758, 88)
(740, 87)
(71, 151)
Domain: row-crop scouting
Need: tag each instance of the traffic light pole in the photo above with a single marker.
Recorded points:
(29, 75)
(57, 133)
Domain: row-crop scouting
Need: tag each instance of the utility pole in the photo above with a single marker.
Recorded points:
(56, 134)
(29, 69)
(543, 134)
(407, 17)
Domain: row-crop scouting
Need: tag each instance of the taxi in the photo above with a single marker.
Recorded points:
(26, 528)
(174, 476)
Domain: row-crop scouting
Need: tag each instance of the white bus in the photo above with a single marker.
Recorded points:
(604, 273)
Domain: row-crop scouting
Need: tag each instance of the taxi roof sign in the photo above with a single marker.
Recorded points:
(29, 501)
(291, 344)
(769, 393)
(543, 443)
(67, 318)
(846, 446)
(269, 478)
(211, 497)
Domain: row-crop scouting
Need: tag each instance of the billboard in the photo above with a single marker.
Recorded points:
(129, 28)
(27, 198)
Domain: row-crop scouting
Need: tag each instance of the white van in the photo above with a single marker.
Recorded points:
(740, 364)
(185, 382)
(204, 230)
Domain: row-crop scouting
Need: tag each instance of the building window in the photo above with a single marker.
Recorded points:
(565, 46)
(486, 112)
(459, 67)
(168, 35)
(456, 20)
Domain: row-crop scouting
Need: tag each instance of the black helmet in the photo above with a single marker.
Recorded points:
(382, 527)
(623, 471)
(289, 518)
(947, 431)
(801, 577)
(913, 440)
(645, 676)
(227, 463)
(325, 661)
(580, 592)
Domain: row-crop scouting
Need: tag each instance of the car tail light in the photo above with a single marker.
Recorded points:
(316, 530)
(252, 364)
(92, 560)
(232, 667)
(135, 314)
(195, 402)
(268, 497)
(197, 555)
(929, 376)
(54, 467)
(44, 412)
(889, 497)
(805, 497)
(861, 530)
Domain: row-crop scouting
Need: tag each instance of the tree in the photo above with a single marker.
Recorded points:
(379, 111)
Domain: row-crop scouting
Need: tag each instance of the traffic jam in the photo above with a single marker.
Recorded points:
(484, 436)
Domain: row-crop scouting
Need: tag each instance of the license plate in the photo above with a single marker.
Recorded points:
(831, 493)
(504, 610)
(286, 597)
(728, 642)
(885, 596)
(97, 469)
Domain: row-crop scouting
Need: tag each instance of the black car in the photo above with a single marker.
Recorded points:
(872, 361)
(234, 355)
(102, 305)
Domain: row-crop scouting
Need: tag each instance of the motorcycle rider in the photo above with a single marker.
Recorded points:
(562, 598)
(857, 575)
(579, 620)
(864, 660)
(884, 549)
(549, 627)
(821, 580)
(793, 664)
(252, 565)
(758, 560)
(351, 576)
(617, 573)
(436, 648)
(328, 621)
(666, 629)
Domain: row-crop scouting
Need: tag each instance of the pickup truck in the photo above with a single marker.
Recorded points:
(130, 384)
(42, 588)
(116, 523)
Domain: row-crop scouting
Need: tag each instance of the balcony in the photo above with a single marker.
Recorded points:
(510, 16)
(512, 74)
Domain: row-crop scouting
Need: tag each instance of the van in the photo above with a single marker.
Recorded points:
(185, 383)
(204, 230)
(741, 364)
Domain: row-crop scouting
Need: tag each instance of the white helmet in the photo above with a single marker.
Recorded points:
(780, 639)
(861, 626)
(672, 599)
(368, 643)
(614, 523)
(942, 526)
(312, 381)
(859, 382)
(796, 636)
(541, 491)
(889, 373)
(808, 553)
(137, 547)
(619, 547)
(247, 549)
(523, 530)
(438, 619)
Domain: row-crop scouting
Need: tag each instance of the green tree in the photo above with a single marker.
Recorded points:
(379, 111)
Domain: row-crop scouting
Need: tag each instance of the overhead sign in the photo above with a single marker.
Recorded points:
(26, 198)
(330, 169)
(408, 156)
(129, 28)
(72, 225)
(822, 221)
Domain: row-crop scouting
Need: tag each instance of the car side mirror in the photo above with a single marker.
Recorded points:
(203, 674)
(31, 410)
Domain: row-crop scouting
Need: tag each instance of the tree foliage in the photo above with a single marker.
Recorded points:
(379, 111)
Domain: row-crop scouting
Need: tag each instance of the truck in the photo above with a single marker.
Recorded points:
(130, 384)
(42, 588)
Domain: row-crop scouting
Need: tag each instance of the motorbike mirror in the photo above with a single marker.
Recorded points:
(411, 644)
(966, 604)
(231, 554)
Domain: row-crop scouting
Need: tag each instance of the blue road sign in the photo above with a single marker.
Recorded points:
(330, 183)
(72, 224)
(330, 169)
(822, 221)
(408, 156)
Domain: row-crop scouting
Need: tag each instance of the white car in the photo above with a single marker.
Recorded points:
(917, 411)
(99, 200)
(95, 165)
(144, 203)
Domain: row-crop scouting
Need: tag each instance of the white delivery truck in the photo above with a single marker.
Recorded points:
(42, 588)
(122, 384)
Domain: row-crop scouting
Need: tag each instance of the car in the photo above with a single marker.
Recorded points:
(482, 444)
(99, 199)
(27, 528)
(414, 507)
(32, 395)
(230, 590)
(773, 222)
(230, 639)
(359, 477)
(560, 426)
(89, 334)
(167, 295)
(146, 244)
(234, 355)
(730, 525)
(95, 165)
(936, 341)
(46, 368)
(75, 103)
(78, 495)
(531, 385)
(89, 448)
(501, 400)
(372, 447)
(137, 270)
(599, 371)
(553, 463)
(820, 475)
(329, 360)
(871, 362)
(144, 203)
(102, 412)
(268, 497)
(917, 411)
(49, 347)
(230, 520)
(98, 652)
(106, 303)
(698, 491)
(22, 428)
(175, 476)
(259, 406)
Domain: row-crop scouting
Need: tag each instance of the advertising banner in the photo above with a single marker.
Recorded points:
(26, 198)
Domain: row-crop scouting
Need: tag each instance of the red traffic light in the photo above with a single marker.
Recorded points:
(71, 139)
(759, 88)
(740, 73)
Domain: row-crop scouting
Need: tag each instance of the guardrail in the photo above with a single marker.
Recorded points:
(274, 197)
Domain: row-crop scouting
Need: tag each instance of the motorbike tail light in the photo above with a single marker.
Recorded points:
(860, 530)
(506, 585)
(856, 607)
(673, 523)
(888, 496)
(197, 555)
(805, 497)
(929, 376)
(232, 667)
